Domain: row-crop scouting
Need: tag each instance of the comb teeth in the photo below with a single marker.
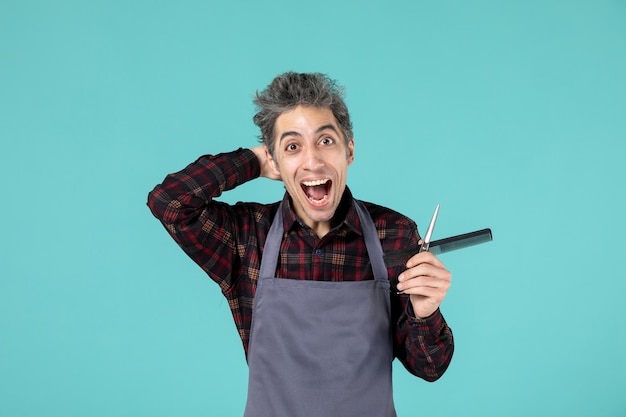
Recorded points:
(400, 257)
(461, 241)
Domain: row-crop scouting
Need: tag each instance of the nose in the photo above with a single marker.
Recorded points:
(312, 158)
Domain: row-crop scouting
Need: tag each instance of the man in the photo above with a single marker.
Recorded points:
(305, 278)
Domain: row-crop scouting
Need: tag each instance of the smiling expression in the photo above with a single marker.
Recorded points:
(312, 159)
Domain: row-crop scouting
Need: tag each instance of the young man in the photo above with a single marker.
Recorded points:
(305, 278)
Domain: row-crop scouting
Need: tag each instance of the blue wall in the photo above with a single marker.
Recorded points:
(509, 114)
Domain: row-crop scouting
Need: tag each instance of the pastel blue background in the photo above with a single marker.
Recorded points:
(510, 114)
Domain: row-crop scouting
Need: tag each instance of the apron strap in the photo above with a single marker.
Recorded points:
(372, 243)
(271, 250)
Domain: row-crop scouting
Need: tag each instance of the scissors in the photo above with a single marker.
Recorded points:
(429, 232)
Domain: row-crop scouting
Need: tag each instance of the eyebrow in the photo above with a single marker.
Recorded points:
(320, 129)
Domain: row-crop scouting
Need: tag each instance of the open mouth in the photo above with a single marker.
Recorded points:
(317, 191)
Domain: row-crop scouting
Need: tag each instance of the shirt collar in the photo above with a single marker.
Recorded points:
(345, 216)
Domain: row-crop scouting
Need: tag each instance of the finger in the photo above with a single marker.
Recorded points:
(425, 269)
(435, 294)
(424, 257)
(422, 282)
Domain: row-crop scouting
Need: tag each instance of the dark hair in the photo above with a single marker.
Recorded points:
(291, 89)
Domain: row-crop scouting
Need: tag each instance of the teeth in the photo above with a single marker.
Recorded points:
(314, 183)
(318, 201)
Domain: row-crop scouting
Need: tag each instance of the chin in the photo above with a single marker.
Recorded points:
(322, 215)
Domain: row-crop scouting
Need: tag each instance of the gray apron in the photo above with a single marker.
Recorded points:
(320, 348)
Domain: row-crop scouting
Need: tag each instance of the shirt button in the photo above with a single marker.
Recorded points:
(319, 252)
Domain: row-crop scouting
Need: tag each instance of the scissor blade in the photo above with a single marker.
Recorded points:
(429, 231)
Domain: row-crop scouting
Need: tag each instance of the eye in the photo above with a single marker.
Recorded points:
(291, 147)
(327, 141)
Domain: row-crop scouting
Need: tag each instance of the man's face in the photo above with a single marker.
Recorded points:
(312, 159)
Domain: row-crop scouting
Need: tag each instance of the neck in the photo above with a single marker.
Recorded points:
(321, 229)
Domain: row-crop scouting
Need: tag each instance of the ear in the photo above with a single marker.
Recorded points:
(271, 162)
(351, 152)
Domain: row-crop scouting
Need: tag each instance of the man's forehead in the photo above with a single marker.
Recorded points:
(302, 118)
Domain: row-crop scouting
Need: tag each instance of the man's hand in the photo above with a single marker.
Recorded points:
(267, 167)
(427, 281)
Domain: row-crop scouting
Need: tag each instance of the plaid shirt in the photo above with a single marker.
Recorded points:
(227, 241)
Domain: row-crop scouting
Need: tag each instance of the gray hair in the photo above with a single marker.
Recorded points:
(290, 90)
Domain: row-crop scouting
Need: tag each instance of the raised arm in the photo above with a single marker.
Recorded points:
(207, 230)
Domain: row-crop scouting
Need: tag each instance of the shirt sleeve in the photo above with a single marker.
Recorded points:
(205, 229)
(425, 345)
